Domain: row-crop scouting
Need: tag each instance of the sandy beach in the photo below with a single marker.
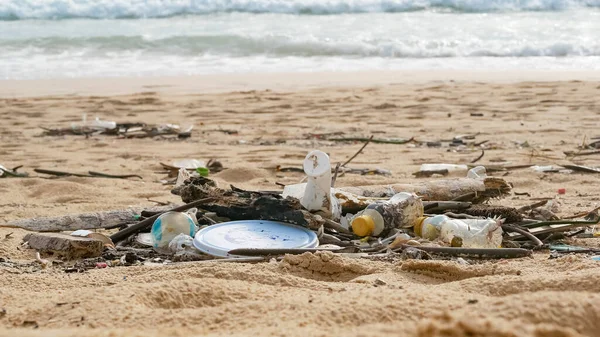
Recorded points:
(527, 118)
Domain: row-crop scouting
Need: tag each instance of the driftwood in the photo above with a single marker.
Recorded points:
(490, 253)
(109, 219)
(64, 245)
(76, 221)
(237, 204)
(90, 174)
(463, 189)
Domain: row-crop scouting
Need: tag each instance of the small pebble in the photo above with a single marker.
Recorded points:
(379, 282)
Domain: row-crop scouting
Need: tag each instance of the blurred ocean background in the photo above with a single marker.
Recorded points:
(107, 38)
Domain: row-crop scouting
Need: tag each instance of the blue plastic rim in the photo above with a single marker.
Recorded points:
(219, 239)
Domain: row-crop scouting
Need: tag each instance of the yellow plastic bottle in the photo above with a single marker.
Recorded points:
(401, 211)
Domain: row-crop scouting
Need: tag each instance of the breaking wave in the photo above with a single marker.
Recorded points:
(243, 46)
(111, 9)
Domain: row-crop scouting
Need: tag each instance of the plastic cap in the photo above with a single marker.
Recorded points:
(418, 228)
(363, 225)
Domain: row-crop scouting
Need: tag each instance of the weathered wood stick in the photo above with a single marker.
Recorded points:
(277, 251)
(114, 176)
(439, 206)
(76, 221)
(500, 253)
(60, 173)
(373, 140)
(441, 190)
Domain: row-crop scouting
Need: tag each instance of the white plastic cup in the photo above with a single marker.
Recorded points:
(317, 194)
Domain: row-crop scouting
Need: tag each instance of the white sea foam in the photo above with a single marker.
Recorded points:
(248, 42)
(102, 9)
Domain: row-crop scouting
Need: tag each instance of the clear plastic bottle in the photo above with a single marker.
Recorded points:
(401, 211)
(452, 169)
(468, 233)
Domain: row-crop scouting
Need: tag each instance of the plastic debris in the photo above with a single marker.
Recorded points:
(219, 239)
(316, 194)
(477, 172)
(190, 164)
(94, 125)
(401, 211)
(182, 248)
(468, 233)
(182, 176)
(170, 224)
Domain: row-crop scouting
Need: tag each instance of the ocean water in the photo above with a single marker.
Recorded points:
(107, 38)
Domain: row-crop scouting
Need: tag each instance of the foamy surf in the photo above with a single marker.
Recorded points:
(552, 39)
(110, 9)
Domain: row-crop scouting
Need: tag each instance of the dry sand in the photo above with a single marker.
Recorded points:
(309, 295)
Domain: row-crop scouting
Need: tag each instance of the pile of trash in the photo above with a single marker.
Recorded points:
(123, 130)
(434, 219)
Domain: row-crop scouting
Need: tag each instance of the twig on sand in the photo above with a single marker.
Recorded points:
(478, 158)
(114, 176)
(538, 243)
(373, 140)
(334, 225)
(358, 152)
(335, 174)
(532, 206)
(579, 215)
(581, 153)
(60, 173)
(91, 174)
(161, 203)
(277, 251)
(499, 253)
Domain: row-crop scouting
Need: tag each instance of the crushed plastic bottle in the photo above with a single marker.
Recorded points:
(468, 233)
(182, 248)
(171, 224)
(190, 164)
(182, 176)
(452, 169)
(477, 172)
(401, 211)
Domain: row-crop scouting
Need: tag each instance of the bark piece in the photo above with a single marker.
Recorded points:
(71, 222)
(64, 245)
